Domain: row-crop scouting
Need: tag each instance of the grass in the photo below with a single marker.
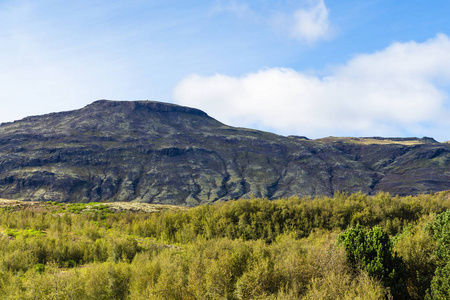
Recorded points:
(89, 207)
(370, 141)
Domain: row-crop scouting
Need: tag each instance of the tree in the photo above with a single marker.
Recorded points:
(440, 230)
(371, 251)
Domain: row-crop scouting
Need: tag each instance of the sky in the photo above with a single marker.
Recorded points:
(313, 68)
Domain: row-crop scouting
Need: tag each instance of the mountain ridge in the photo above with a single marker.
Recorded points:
(157, 152)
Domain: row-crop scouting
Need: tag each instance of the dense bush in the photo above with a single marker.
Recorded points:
(417, 249)
(244, 249)
(440, 230)
(263, 219)
(371, 251)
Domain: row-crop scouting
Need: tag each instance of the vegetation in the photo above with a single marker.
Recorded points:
(371, 251)
(346, 247)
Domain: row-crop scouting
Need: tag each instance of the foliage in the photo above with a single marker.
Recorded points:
(244, 249)
(371, 251)
(440, 284)
(417, 248)
(263, 219)
(440, 230)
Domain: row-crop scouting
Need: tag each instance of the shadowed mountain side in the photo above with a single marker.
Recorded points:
(163, 153)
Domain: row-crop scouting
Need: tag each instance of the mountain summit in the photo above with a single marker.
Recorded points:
(164, 153)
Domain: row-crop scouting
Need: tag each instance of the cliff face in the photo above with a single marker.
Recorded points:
(163, 153)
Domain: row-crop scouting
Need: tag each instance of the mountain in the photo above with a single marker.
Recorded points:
(163, 153)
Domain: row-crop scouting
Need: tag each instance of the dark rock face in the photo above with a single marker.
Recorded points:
(163, 153)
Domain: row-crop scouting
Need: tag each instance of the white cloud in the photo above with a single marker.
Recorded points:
(308, 24)
(398, 91)
(311, 23)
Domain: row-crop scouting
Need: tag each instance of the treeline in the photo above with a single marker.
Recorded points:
(263, 219)
(346, 247)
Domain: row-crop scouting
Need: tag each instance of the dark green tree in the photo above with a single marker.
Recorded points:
(440, 230)
(371, 251)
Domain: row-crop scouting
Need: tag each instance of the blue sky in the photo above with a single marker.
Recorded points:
(309, 67)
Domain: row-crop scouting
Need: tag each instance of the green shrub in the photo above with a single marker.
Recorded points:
(417, 248)
(371, 251)
(440, 230)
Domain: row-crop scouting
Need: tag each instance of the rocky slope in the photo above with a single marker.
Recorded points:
(162, 153)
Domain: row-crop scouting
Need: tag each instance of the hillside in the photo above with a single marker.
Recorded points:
(155, 152)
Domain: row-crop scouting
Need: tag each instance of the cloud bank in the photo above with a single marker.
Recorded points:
(399, 91)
